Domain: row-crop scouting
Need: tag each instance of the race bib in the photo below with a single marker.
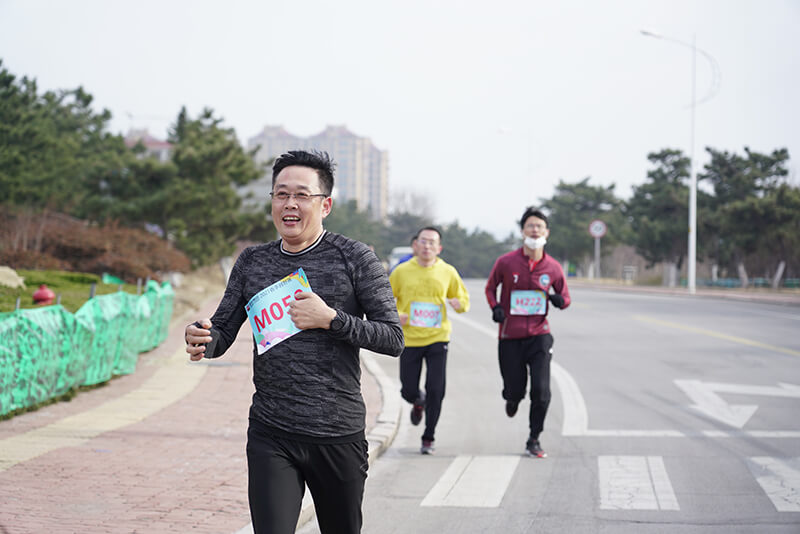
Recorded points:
(268, 311)
(426, 315)
(528, 302)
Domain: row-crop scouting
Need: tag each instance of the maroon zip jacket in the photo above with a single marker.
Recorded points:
(511, 271)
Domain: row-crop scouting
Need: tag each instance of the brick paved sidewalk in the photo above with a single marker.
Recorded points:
(158, 451)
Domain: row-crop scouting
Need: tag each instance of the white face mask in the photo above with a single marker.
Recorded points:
(534, 244)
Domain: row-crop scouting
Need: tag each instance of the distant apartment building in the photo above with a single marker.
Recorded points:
(362, 170)
(155, 148)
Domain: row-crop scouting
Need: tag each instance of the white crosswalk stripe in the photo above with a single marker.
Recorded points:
(635, 483)
(780, 480)
(473, 481)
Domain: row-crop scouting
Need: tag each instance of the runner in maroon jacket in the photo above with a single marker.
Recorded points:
(525, 343)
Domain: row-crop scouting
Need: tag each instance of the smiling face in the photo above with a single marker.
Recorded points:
(299, 222)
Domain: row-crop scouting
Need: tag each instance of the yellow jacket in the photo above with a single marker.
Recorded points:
(422, 294)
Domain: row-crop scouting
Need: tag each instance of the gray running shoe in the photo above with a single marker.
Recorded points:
(532, 448)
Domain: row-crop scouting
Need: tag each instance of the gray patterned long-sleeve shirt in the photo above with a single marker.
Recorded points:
(309, 385)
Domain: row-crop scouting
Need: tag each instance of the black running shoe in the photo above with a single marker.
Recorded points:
(417, 411)
(511, 408)
(532, 448)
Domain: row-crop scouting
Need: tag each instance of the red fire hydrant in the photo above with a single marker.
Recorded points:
(43, 296)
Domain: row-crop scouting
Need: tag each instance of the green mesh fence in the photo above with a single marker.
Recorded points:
(45, 352)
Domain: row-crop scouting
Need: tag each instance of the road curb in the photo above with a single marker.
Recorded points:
(383, 433)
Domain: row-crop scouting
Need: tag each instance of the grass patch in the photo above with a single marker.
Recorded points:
(73, 288)
(656, 280)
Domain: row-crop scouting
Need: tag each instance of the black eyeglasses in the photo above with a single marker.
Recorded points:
(283, 196)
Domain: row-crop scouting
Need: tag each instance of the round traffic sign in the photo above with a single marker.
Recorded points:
(597, 228)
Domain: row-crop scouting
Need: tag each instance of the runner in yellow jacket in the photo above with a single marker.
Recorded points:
(421, 287)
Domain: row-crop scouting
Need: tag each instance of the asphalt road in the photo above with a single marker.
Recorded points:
(669, 414)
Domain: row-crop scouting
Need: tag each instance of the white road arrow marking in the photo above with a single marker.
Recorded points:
(704, 394)
(782, 389)
(708, 402)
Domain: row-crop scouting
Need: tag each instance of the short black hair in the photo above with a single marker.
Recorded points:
(313, 159)
(530, 211)
(432, 228)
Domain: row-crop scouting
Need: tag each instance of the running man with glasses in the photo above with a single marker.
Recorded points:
(526, 276)
(307, 415)
(422, 285)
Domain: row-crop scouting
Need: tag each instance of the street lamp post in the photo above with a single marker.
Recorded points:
(692, 254)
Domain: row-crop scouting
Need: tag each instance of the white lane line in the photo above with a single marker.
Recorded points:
(780, 480)
(661, 484)
(635, 483)
(774, 433)
(473, 481)
(576, 416)
(491, 332)
(633, 434)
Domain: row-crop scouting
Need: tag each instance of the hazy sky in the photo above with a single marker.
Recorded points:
(483, 106)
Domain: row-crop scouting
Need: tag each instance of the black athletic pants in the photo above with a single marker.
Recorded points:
(278, 470)
(435, 357)
(517, 358)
